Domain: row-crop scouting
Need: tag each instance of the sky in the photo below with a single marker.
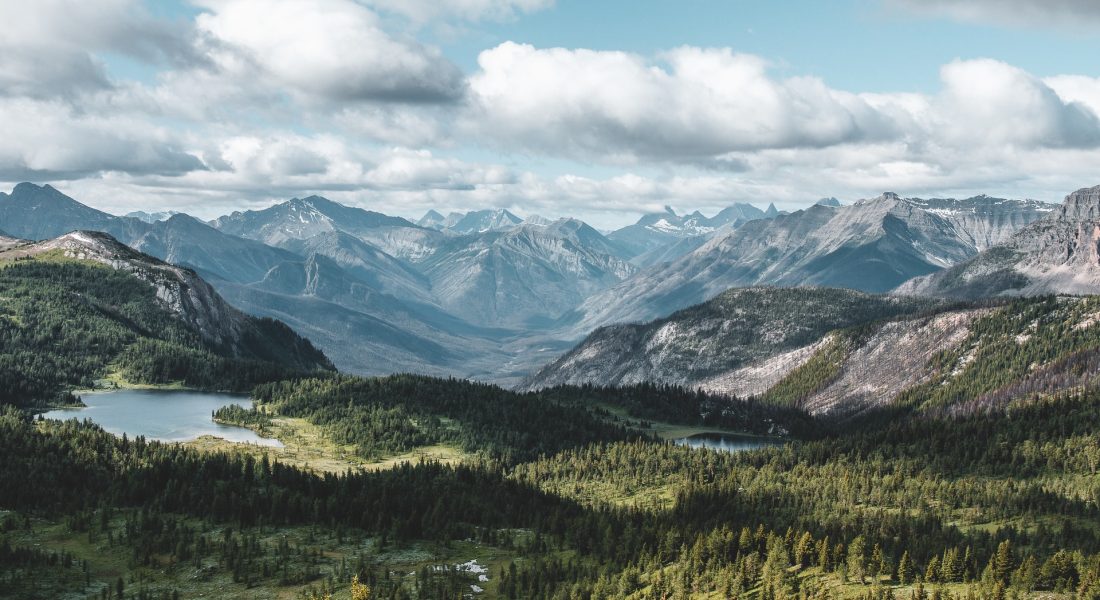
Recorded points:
(597, 110)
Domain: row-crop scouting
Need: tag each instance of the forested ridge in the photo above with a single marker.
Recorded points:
(66, 324)
(388, 415)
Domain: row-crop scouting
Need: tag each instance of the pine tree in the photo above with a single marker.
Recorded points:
(857, 559)
(932, 572)
(1004, 562)
(906, 569)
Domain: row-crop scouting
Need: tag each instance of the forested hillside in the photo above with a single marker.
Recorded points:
(391, 415)
(66, 323)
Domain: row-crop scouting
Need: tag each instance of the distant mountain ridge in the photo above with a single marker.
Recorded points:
(871, 245)
(661, 230)
(382, 294)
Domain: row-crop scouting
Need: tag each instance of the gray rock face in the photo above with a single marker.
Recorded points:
(528, 274)
(871, 245)
(482, 221)
(304, 218)
(367, 263)
(35, 212)
(659, 231)
(184, 240)
(701, 344)
(152, 217)
(1057, 254)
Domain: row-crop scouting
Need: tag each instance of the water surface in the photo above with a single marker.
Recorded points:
(166, 415)
(728, 442)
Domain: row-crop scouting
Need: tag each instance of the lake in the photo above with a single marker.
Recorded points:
(166, 415)
(727, 442)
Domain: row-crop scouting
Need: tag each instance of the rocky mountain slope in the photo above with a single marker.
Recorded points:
(523, 276)
(906, 355)
(153, 217)
(303, 218)
(1057, 254)
(710, 340)
(871, 245)
(482, 221)
(182, 292)
(662, 230)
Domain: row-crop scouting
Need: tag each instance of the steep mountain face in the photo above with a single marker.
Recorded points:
(711, 340)
(1057, 254)
(661, 230)
(304, 218)
(35, 212)
(432, 220)
(482, 221)
(872, 245)
(524, 275)
(840, 353)
(186, 295)
(367, 263)
(184, 240)
(986, 221)
(147, 217)
(41, 212)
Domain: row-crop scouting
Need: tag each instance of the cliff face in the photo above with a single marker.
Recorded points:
(1059, 254)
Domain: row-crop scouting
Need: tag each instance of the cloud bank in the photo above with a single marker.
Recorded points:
(253, 101)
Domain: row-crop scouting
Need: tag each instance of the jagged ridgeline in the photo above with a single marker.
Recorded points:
(83, 307)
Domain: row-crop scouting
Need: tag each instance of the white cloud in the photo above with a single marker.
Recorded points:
(715, 108)
(1077, 88)
(1073, 13)
(332, 49)
(49, 140)
(48, 46)
(990, 102)
(617, 105)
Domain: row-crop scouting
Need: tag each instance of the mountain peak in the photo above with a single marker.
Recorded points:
(772, 211)
(669, 210)
(828, 202)
(27, 190)
(1082, 205)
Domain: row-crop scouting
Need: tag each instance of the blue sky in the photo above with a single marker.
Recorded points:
(602, 110)
(863, 45)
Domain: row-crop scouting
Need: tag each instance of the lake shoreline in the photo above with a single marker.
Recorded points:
(166, 415)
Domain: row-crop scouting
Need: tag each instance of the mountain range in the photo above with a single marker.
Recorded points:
(871, 245)
(491, 296)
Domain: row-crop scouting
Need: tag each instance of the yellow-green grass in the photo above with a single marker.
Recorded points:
(306, 446)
